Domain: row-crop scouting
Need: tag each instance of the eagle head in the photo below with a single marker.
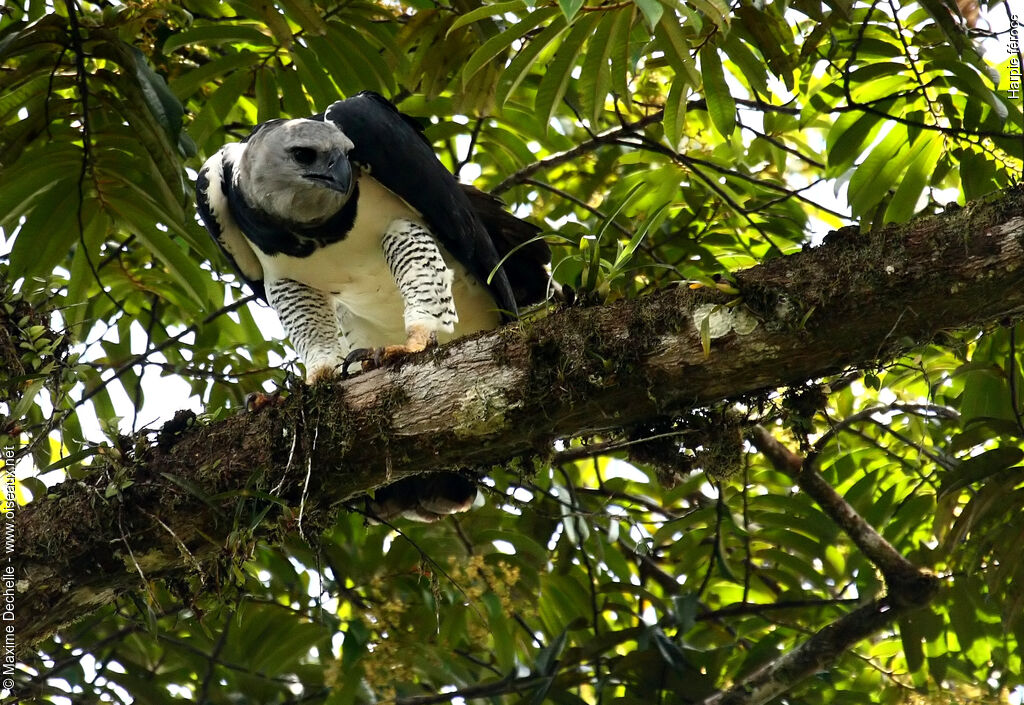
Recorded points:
(297, 171)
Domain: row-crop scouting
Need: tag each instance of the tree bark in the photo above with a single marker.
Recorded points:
(165, 508)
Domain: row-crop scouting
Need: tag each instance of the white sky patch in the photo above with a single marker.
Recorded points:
(388, 540)
(708, 490)
(522, 494)
(620, 468)
(650, 615)
(470, 171)
(502, 546)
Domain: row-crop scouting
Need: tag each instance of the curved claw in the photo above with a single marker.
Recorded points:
(372, 358)
(357, 355)
(254, 401)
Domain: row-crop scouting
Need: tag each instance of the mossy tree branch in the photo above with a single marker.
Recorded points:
(161, 508)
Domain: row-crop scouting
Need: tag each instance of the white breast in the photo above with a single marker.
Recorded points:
(355, 273)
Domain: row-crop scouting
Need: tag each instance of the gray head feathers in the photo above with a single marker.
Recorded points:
(297, 170)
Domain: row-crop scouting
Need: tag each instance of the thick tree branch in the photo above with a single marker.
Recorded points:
(166, 508)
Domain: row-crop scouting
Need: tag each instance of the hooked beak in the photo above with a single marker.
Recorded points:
(338, 175)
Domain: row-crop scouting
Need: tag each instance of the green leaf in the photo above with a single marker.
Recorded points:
(977, 174)
(296, 103)
(650, 223)
(351, 61)
(953, 32)
(546, 662)
(969, 80)
(267, 100)
(82, 279)
(652, 11)
(848, 138)
(911, 638)
(670, 651)
(270, 640)
(527, 57)
(45, 239)
(484, 11)
(913, 182)
(26, 400)
(313, 77)
(217, 34)
(624, 203)
(142, 214)
(715, 10)
(677, 50)
(685, 609)
(189, 83)
(620, 52)
(211, 118)
(674, 120)
(773, 37)
(559, 70)
(500, 632)
(12, 101)
(348, 73)
(595, 74)
(570, 8)
(540, 693)
(867, 186)
(980, 467)
(751, 69)
(721, 105)
(305, 15)
(986, 395)
(494, 46)
(194, 490)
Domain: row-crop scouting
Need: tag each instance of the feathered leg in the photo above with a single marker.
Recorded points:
(425, 282)
(307, 315)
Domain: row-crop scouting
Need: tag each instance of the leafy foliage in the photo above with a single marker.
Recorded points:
(661, 142)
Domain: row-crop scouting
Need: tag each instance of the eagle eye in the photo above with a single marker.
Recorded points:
(303, 155)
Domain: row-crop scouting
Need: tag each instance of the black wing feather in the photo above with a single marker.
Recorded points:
(399, 157)
(525, 255)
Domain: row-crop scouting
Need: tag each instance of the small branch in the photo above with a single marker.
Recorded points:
(909, 588)
(473, 137)
(82, 82)
(814, 655)
(483, 690)
(907, 583)
(565, 195)
(757, 608)
(601, 138)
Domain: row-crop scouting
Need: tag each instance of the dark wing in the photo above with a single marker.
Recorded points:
(398, 156)
(525, 266)
(213, 193)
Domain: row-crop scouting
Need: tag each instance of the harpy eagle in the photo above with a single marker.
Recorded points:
(365, 244)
